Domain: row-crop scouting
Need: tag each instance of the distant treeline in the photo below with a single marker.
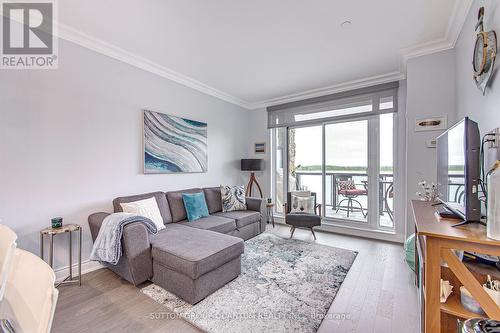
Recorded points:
(340, 168)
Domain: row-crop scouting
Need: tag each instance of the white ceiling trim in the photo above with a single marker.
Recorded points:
(345, 86)
(455, 24)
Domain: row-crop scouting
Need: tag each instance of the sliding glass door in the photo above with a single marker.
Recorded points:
(346, 170)
(342, 147)
(348, 164)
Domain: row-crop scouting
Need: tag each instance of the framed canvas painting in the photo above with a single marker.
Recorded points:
(174, 144)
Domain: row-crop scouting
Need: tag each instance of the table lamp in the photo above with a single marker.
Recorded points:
(252, 164)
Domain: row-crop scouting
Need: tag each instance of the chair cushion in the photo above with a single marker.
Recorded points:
(162, 202)
(195, 205)
(176, 203)
(213, 223)
(353, 192)
(303, 220)
(214, 199)
(242, 217)
(194, 252)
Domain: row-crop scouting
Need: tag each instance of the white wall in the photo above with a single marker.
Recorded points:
(430, 92)
(258, 132)
(71, 141)
(470, 101)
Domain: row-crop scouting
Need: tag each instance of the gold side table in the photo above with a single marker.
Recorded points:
(69, 229)
(270, 213)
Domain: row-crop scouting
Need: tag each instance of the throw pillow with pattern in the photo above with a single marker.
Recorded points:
(346, 184)
(233, 198)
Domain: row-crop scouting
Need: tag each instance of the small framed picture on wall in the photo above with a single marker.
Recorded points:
(260, 148)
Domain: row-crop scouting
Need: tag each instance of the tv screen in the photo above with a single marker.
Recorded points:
(458, 169)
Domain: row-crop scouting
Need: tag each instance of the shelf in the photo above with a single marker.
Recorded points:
(454, 307)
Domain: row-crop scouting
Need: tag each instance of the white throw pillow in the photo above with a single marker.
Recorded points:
(147, 208)
(302, 204)
(301, 193)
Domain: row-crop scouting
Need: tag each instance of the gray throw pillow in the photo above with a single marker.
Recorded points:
(233, 198)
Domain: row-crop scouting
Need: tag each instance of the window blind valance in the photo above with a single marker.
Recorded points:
(367, 101)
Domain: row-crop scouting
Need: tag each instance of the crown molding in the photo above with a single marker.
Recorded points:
(77, 37)
(455, 24)
(345, 86)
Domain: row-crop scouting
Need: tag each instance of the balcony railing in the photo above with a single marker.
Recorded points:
(311, 180)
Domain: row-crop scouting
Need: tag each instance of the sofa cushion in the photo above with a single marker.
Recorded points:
(242, 217)
(176, 203)
(162, 202)
(213, 223)
(193, 252)
(195, 205)
(214, 199)
(233, 198)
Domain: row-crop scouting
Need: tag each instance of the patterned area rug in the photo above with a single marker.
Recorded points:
(285, 286)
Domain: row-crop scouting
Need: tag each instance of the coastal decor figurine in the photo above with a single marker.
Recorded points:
(485, 51)
(446, 289)
(429, 193)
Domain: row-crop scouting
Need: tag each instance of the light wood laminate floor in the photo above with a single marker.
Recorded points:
(378, 295)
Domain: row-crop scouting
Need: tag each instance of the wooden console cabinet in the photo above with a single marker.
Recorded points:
(435, 240)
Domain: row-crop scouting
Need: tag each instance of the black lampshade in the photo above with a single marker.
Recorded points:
(252, 164)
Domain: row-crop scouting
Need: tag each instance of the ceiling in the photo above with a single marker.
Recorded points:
(262, 52)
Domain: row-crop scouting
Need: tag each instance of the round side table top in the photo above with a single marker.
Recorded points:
(64, 228)
(269, 204)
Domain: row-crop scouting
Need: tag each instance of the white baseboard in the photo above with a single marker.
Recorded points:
(87, 267)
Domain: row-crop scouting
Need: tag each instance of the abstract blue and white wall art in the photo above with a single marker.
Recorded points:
(174, 144)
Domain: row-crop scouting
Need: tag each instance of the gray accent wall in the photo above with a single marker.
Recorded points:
(430, 92)
(485, 110)
(71, 141)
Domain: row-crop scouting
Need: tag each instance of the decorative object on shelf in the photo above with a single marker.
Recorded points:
(174, 144)
(492, 287)
(480, 325)
(446, 290)
(66, 229)
(485, 51)
(430, 191)
(493, 202)
(260, 148)
(252, 164)
(469, 303)
(431, 124)
(56, 222)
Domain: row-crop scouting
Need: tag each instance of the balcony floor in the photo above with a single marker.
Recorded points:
(385, 220)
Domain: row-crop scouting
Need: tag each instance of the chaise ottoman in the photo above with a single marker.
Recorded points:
(193, 263)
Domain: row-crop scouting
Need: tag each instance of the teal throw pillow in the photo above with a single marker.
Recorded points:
(195, 205)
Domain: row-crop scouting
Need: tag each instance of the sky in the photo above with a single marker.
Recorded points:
(346, 143)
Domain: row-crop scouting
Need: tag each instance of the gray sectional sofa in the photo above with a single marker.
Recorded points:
(189, 259)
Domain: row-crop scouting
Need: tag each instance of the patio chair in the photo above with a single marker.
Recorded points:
(302, 220)
(347, 188)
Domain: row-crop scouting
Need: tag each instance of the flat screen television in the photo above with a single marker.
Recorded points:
(458, 168)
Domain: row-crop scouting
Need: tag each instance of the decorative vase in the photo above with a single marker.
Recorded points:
(56, 222)
(493, 202)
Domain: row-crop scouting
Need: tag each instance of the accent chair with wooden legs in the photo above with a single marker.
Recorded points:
(302, 220)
